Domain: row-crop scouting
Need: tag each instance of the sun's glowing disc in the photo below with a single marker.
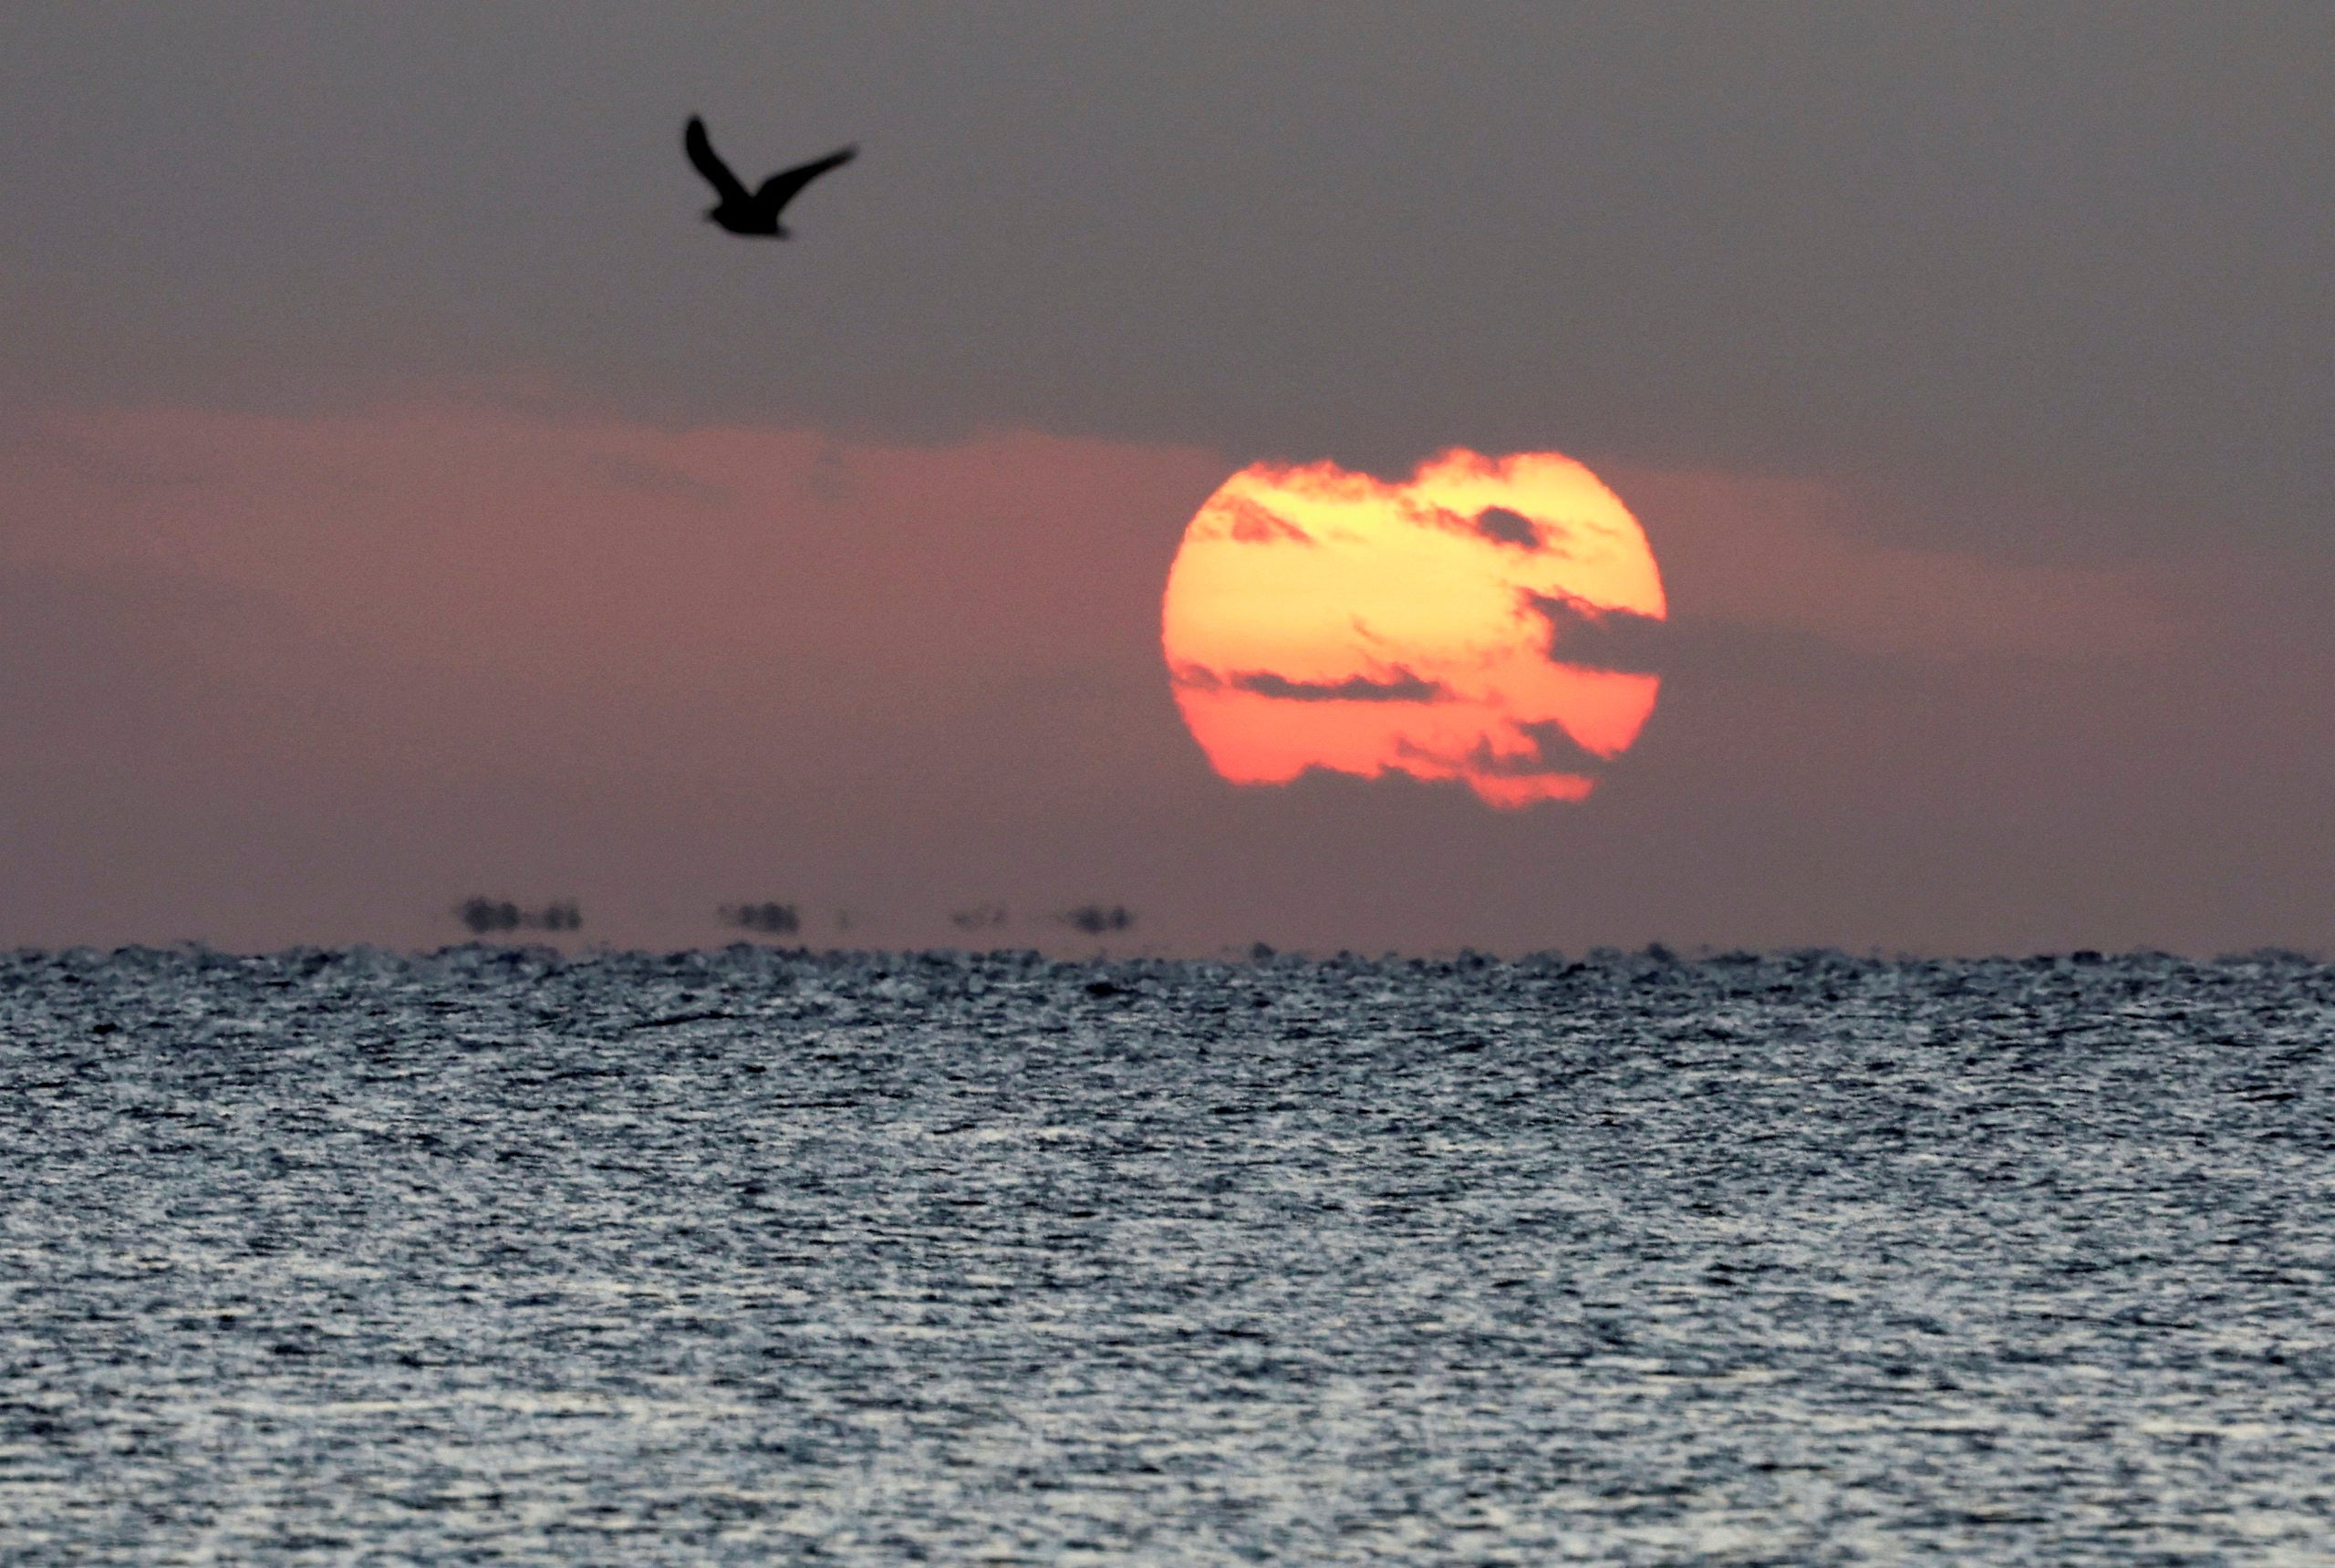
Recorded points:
(1491, 621)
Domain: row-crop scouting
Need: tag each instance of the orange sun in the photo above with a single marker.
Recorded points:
(1491, 621)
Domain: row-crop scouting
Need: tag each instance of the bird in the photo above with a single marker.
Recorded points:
(753, 212)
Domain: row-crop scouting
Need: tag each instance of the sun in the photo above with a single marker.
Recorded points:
(1491, 621)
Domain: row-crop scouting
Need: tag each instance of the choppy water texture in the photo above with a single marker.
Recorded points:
(754, 1257)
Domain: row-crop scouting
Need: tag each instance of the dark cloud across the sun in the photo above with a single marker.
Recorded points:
(1251, 523)
(1398, 685)
(1593, 638)
(1503, 526)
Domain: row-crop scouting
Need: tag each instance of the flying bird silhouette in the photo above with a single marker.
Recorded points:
(754, 212)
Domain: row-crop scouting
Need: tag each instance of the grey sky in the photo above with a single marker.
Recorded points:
(404, 494)
(2076, 254)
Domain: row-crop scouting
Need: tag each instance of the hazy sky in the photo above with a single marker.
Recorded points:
(403, 493)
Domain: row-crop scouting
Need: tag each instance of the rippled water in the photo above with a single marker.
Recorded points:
(760, 1257)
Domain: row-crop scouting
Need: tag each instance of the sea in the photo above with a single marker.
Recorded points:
(756, 1256)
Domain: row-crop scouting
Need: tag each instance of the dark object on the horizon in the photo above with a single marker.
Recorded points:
(985, 917)
(1094, 919)
(773, 920)
(483, 916)
(753, 212)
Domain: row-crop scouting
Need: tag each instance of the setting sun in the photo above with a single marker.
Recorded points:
(1491, 621)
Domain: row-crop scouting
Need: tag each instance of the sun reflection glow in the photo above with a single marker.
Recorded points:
(1491, 621)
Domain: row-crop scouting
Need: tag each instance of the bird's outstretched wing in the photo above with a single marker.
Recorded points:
(782, 187)
(708, 163)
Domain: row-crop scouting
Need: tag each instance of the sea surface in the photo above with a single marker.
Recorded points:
(762, 1257)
